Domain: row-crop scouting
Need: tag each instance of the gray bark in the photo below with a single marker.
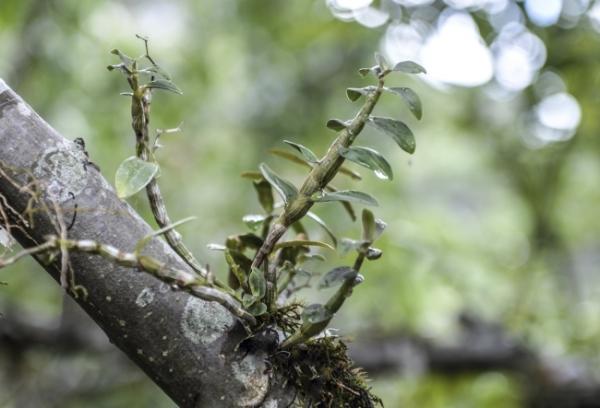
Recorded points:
(184, 344)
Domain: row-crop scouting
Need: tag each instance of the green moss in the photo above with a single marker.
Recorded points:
(323, 375)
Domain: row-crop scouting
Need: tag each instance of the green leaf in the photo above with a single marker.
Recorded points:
(411, 98)
(374, 253)
(284, 154)
(302, 242)
(308, 155)
(286, 190)
(250, 240)
(337, 276)
(157, 70)
(409, 67)
(236, 269)
(125, 59)
(365, 71)
(257, 282)
(368, 223)
(355, 93)
(397, 130)
(252, 175)
(347, 206)
(164, 84)
(133, 175)
(257, 309)
(248, 300)
(265, 194)
(379, 228)
(346, 195)
(254, 221)
(336, 124)
(323, 225)
(370, 159)
(347, 245)
(316, 313)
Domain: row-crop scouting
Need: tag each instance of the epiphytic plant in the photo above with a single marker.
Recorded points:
(264, 268)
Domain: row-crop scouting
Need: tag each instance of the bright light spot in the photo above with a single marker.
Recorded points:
(411, 3)
(543, 12)
(462, 4)
(519, 54)
(371, 17)
(402, 42)
(594, 16)
(511, 13)
(456, 54)
(159, 22)
(513, 69)
(559, 111)
(352, 4)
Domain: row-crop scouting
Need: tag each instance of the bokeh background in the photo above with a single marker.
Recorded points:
(488, 291)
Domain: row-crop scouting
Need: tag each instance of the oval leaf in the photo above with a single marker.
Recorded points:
(301, 242)
(257, 309)
(369, 226)
(347, 245)
(257, 282)
(125, 59)
(409, 67)
(355, 93)
(265, 194)
(308, 154)
(286, 190)
(346, 195)
(370, 159)
(365, 71)
(164, 85)
(336, 124)
(397, 130)
(337, 276)
(411, 98)
(133, 175)
(254, 221)
(316, 313)
(379, 228)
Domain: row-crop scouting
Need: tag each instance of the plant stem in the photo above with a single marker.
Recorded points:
(321, 174)
(308, 330)
(140, 112)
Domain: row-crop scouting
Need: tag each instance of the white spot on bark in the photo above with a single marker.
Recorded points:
(108, 299)
(122, 323)
(204, 322)
(250, 373)
(64, 170)
(6, 240)
(23, 109)
(145, 297)
(270, 403)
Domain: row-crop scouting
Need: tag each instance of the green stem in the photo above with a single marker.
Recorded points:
(140, 112)
(321, 174)
(308, 330)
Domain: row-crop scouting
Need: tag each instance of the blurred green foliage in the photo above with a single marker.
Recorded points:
(476, 220)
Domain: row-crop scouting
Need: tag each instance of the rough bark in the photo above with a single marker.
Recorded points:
(184, 344)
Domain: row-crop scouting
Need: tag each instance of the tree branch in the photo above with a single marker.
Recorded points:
(184, 344)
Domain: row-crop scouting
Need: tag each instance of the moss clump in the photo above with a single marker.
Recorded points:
(323, 375)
